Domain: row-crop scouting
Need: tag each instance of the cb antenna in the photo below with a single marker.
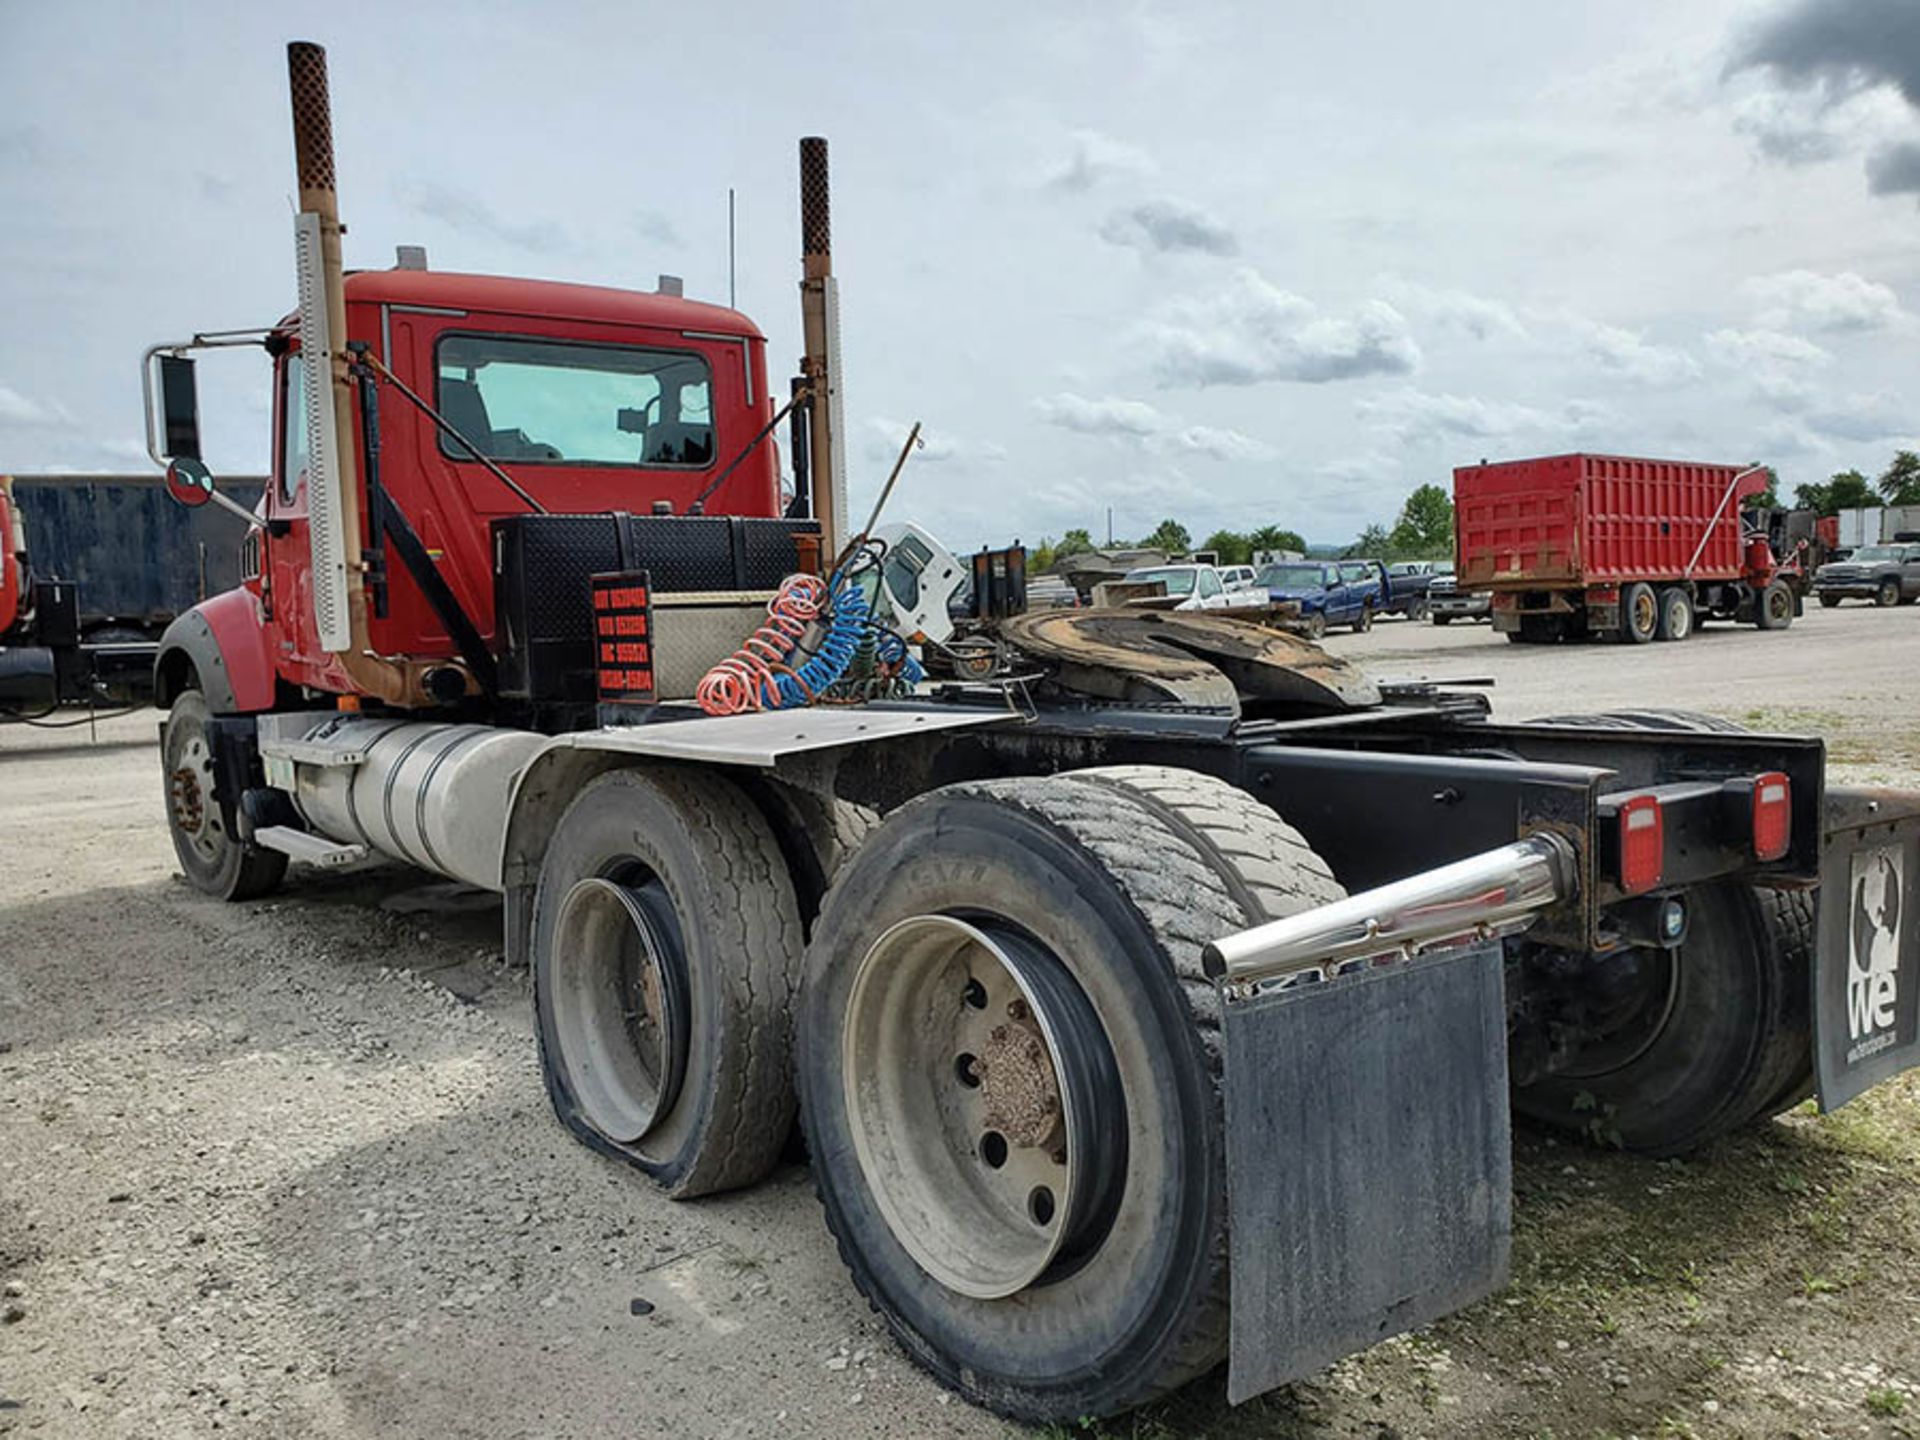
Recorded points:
(731, 304)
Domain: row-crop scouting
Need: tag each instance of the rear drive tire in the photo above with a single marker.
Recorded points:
(1108, 882)
(1676, 615)
(1639, 613)
(1704, 1048)
(1782, 932)
(1773, 608)
(666, 946)
(214, 859)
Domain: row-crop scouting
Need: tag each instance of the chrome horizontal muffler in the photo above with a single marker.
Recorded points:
(1486, 896)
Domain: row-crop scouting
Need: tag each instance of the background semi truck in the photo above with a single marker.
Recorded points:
(1607, 546)
(92, 569)
(1115, 984)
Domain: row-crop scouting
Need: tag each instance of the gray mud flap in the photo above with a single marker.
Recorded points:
(1867, 985)
(1369, 1158)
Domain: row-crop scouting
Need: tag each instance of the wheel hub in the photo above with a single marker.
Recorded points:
(1017, 1082)
(183, 793)
(621, 1011)
(985, 1105)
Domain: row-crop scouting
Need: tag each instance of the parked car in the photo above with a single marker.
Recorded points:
(1445, 603)
(1407, 585)
(1237, 577)
(1329, 592)
(1195, 587)
(1884, 574)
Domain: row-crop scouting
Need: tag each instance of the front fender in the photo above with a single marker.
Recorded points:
(222, 643)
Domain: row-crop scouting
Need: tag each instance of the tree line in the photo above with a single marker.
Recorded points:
(1898, 484)
(1424, 531)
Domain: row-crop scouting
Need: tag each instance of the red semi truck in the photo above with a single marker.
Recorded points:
(1161, 999)
(1578, 546)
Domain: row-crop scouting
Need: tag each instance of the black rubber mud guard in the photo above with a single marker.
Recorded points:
(1369, 1159)
(1867, 968)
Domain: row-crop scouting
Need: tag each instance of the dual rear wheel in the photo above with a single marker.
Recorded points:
(1006, 1054)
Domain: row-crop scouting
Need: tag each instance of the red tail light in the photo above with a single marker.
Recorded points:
(1643, 843)
(1772, 815)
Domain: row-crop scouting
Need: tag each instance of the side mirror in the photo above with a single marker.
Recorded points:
(179, 408)
(189, 482)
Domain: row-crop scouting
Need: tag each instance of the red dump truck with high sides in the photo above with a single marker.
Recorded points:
(1157, 990)
(1606, 546)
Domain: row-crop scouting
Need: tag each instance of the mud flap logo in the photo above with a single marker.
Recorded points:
(1873, 968)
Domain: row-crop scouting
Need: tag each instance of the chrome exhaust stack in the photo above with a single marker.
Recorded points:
(1486, 896)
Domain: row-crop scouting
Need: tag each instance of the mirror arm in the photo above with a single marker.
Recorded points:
(234, 507)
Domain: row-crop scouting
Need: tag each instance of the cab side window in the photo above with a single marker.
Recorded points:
(293, 417)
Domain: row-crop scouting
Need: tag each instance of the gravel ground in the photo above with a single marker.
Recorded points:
(287, 1168)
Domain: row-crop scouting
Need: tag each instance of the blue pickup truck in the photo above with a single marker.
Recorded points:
(1329, 592)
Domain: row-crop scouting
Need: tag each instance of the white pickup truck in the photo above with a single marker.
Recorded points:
(1194, 587)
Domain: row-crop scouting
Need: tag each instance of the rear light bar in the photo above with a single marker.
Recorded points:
(1643, 843)
(1772, 815)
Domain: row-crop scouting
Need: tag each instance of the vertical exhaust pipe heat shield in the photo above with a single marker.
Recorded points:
(333, 481)
(820, 325)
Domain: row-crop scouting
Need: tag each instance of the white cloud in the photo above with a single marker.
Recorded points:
(884, 437)
(1418, 417)
(1631, 356)
(1097, 158)
(1253, 331)
(1136, 422)
(1168, 227)
(1825, 304)
(18, 409)
(1459, 310)
(1879, 416)
(1776, 366)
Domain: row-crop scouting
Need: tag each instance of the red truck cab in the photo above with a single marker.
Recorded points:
(593, 400)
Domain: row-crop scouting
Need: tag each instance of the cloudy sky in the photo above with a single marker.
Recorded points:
(1237, 264)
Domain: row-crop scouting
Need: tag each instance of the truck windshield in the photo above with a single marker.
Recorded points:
(1178, 582)
(558, 403)
(1290, 577)
(1871, 553)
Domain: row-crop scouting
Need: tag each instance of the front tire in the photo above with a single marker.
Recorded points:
(214, 859)
(1100, 886)
(1364, 622)
(1887, 593)
(1773, 610)
(1829, 602)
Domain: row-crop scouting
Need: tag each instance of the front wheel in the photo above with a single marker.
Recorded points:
(1887, 593)
(1009, 1068)
(214, 859)
(1364, 622)
(1774, 609)
(1829, 602)
(1317, 625)
(1443, 619)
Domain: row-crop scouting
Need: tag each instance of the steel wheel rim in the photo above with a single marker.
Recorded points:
(190, 793)
(1644, 613)
(620, 1008)
(1680, 620)
(959, 1032)
(1779, 604)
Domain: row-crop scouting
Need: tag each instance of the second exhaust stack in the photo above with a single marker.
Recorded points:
(820, 328)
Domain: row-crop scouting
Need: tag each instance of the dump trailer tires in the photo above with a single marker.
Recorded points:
(1639, 613)
(666, 945)
(1009, 1068)
(213, 858)
(1676, 615)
